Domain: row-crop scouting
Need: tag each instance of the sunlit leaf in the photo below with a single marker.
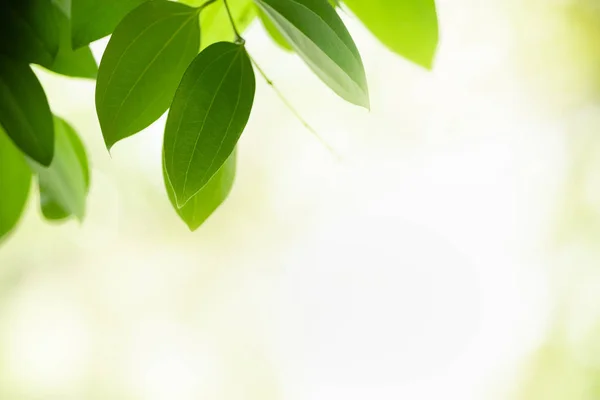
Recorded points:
(78, 63)
(143, 63)
(209, 112)
(24, 110)
(318, 35)
(28, 30)
(50, 205)
(407, 27)
(208, 199)
(94, 19)
(214, 21)
(15, 180)
(273, 32)
(66, 180)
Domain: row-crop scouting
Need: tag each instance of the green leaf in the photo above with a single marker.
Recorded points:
(208, 199)
(143, 63)
(78, 63)
(15, 180)
(51, 207)
(273, 32)
(93, 19)
(209, 112)
(407, 27)
(66, 180)
(28, 30)
(319, 36)
(214, 21)
(24, 110)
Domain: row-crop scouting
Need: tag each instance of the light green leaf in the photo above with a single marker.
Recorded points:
(143, 63)
(28, 30)
(15, 180)
(273, 32)
(65, 181)
(209, 112)
(51, 207)
(214, 21)
(24, 110)
(93, 19)
(208, 199)
(407, 27)
(319, 36)
(78, 63)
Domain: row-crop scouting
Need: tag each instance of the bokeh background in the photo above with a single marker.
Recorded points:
(450, 248)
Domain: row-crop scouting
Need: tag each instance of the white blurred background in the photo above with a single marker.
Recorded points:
(453, 242)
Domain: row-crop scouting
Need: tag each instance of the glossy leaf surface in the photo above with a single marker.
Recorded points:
(318, 35)
(209, 112)
(208, 199)
(15, 181)
(65, 181)
(141, 68)
(24, 111)
(93, 19)
(407, 27)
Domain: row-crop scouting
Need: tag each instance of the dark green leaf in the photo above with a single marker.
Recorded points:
(65, 181)
(319, 36)
(51, 206)
(24, 110)
(273, 32)
(143, 63)
(93, 19)
(214, 21)
(208, 199)
(209, 112)
(407, 27)
(28, 30)
(15, 180)
(78, 63)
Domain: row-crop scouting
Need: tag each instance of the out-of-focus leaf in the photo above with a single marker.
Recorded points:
(209, 112)
(24, 111)
(318, 35)
(51, 207)
(93, 19)
(273, 32)
(28, 30)
(143, 63)
(65, 181)
(208, 199)
(215, 24)
(78, 63)
(15, 181)
(407, 27)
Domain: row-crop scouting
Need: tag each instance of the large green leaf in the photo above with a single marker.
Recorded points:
(24, 110)
(273, 32)
(407, 27)
(214, 21)
(208, 199)
(143, 63)
(94, 19)
(15, 180)
(319, 36)
(65, 181)
(209, 112)
(51, 206)
(28, 30)
(78, 63)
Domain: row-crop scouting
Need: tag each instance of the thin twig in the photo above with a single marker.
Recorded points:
(290, 107)
(238, 37)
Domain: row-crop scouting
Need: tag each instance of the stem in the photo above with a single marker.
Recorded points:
(285, 101)
(238, 37)
(207, 3)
